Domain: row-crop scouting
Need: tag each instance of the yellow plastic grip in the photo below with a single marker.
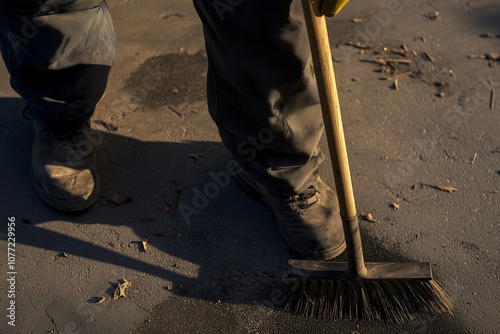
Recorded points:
(332, 7)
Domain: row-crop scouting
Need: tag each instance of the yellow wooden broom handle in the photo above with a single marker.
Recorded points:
(327, 88)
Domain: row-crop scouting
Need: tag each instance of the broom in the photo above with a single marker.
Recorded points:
(393, 292)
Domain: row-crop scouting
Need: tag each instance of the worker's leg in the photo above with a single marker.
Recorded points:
(262, 95)
(59, 54)
(261, 86)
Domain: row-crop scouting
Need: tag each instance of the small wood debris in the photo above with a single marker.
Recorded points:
(101, 300)
(145, 245)
(369, 217)
(395, 206)
(357, 45)
(434, 16)
(175, 111)
(398, 62)
(476, 56)
(395, 84)
(63, 254)
(108, 125)
(440, 84)
(386, 61)
(428, 56)
(118, 199)
(492, 99)
(492, 56)
(356, 20)
(489, 35)
(385, 69)
(448, 189)
(218, 302)
(120, 290)
(441, 88)
(474, 158)
(398, 76)
(400, 52)
(380, 61)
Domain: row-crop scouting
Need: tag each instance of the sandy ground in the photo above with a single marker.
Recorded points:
(221, 271)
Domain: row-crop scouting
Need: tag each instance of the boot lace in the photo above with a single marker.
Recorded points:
(305, 200)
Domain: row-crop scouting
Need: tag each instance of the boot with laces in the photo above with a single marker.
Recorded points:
(64, 167)
(309, 222)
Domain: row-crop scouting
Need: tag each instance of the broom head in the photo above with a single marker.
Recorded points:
(393, 292)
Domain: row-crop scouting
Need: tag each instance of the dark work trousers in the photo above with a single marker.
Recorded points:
(58, 53)
(261, 87)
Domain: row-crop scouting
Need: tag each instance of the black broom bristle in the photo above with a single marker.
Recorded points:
(391, 301)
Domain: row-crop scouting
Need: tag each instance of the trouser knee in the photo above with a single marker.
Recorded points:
(59, 66)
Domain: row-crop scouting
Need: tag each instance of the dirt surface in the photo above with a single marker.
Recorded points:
(219, 270)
